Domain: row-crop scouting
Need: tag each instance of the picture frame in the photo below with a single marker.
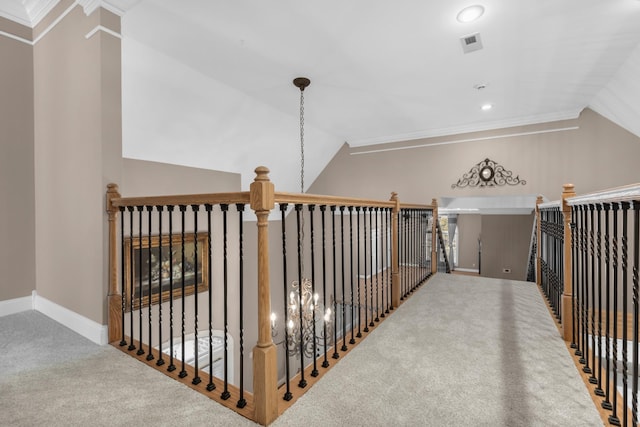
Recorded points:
(147, 268)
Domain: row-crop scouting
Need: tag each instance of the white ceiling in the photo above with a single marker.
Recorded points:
(385, 71)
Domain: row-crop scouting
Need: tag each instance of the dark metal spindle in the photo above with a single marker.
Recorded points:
(636, 285)
(172, 366)
(242, 402)
(606, 404)
(352, 340)
(383, 261)
(335, 300)
(225, 287)
(366, 292)
(624, 206)
(302, 383)
(592, 378)
(131, 291)
(574, 279)
(183, 208)
(149, 298)
(371, 264)
(585, 292)
(160, 360)
(210, 386)
(377, 268)
(344, 312)
(196, 347)
(314, 371)
(598, 390)
(325, 362)
(287, 395)
(140, 208)
(123, 295)
(613, 418)
(359, 334)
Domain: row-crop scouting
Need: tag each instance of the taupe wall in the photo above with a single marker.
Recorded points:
(596, 155)
(505, 245)
(77, 152)
(469, 228)
(17, 187)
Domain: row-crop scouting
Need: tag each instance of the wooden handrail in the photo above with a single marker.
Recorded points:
(183, 199)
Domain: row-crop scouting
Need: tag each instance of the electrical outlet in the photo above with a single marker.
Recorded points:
(506, 270)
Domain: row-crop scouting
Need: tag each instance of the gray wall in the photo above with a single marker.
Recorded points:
(505, 245)
(17, 187)
(469, 229)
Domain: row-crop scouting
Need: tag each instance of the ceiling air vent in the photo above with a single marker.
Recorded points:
(471, 43)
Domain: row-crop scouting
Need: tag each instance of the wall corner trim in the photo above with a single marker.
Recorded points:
(72, 320)
(104, 29)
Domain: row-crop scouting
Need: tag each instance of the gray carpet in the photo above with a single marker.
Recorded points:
(461, 351)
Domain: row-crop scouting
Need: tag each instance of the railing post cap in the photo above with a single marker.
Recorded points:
(434, 202)
(539, 199)
(112, 188)
(394, 196)
(262, 173)
(568, 188)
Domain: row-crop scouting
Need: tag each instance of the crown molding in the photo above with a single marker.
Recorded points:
(477, 127)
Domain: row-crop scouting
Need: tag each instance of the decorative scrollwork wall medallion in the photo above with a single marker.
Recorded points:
(488, 173)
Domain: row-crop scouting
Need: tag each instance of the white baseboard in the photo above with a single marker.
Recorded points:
(86, 327)
(467, 270)
(16, 305)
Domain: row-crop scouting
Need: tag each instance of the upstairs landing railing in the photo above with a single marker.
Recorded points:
(588, 264)
(192, 288)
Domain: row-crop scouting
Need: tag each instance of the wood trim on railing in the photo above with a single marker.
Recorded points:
(183, 199)
(114, 300)
(313, 199)
(619, 194)
(568, 191)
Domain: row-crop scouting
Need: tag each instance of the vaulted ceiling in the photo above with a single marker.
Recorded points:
(385, 71)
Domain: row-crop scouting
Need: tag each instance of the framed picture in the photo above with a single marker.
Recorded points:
(152, 267)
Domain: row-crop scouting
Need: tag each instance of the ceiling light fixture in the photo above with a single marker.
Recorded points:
(487, 107)
(470, 14)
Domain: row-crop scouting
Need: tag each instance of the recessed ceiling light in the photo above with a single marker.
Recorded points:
(486, 107)
(470, 14)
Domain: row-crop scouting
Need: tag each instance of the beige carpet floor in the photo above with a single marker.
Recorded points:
(462, 351)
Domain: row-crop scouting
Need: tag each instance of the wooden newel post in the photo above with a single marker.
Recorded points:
(395, 259)
(434, 238)
(568, 191)
(539, 201)
(114, 299)
(265, 374)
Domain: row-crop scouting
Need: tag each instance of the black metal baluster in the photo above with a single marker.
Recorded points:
(377, 268)
(606, 404)
(172, 366)
(585, 292)
(287, 395)
(383, 261)
(123, 292)
(150, 297)
(302, 383)
(624, 206)
(344, 312)
(353, 313)
(335, 292)
(359, 334)
(387, 252)
(366, 285)
(401, 252)
(574, 279)
(140, 286)
(225, 288)
(210, 386)
(327, 315)
(242, 402)
(598, 390)
(160, 360)
(592, 378)
(131, 284)
(314, 371)
(613, 418)
(371, 264)
(196, 347)
(636, 285)
(183, 209)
